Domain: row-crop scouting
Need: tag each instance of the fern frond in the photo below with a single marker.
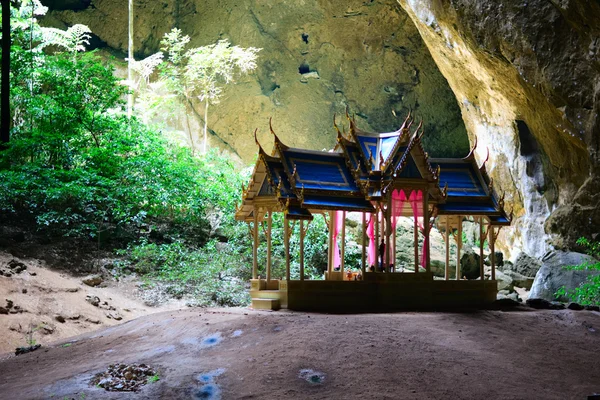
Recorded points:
(146, 67)
(73, 39)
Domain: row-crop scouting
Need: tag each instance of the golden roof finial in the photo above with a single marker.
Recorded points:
(335, 125)
(472, 152)
(271, 126)
(422, 128)
(487, 157)
(256, 137)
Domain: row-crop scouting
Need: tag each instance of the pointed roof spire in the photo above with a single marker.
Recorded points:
(278, 143)
(487, 157)
(471, 154)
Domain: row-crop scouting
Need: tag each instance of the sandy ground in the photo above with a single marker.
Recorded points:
(245, 354)
(44, 294)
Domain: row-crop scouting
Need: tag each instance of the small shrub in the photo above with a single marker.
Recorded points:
(588, 292)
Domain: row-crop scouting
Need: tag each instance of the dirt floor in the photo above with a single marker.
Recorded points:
(244, 354)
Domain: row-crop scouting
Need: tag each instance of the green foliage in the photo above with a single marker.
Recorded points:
(201, 71)
(154, 378)
(76, 166)
(211, 275)
(588, 292)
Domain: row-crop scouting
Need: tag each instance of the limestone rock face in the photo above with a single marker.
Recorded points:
(526, 77)
(552, 276)
(318, 58)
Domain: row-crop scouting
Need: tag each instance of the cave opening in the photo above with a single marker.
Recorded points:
(528, 145)
(305, 38)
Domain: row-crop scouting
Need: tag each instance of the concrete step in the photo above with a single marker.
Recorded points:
(265, 304)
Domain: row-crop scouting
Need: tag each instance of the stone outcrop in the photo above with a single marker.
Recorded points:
(527, 79)
(523, 265)
(552, 276)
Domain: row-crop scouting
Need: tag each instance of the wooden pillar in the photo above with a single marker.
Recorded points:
(459, 247)
(492, 241)
(343, 246)
(416, 238)
(269, 227)
(426, 230)
(286, 238)
(447, 240)
(481, 240)
(255, 244)
(364, 240)
(302, 233)
(388, 231)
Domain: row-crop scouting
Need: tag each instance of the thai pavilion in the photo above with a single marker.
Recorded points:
(384, 176)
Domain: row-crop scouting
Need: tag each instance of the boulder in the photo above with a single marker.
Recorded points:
(592, 308)
(505, 302)
(469, 265)
(505, 282)
(498, 259)
(540, 304)
(575, 306)
(438, 268)
(557, 305)
(93, 280)
(16, 266)
(552, 276)
(525, 265)
(517, 279)
(93, 300)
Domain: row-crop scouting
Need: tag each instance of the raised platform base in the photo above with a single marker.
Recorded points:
(266, 304)
(378, 292)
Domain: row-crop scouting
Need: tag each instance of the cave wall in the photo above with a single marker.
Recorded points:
(318, 57)
(526, 76)
(523, 75)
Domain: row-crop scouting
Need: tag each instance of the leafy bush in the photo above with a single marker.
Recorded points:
(209, 275)
(588, 292)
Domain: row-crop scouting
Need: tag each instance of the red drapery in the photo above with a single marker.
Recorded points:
(371, 234)
(337, 227)
(399, 200)
(416, 202)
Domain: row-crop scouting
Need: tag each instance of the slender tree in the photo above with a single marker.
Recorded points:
(202, 72)
(130, 60)
(5, 103)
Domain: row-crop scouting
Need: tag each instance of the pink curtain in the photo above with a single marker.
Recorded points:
(337, 228)
(398, 202)
(371, 234)
(416, 202)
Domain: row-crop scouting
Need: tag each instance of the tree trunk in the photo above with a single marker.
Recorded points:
(5, 102)
(130, 60)
(205, 125)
